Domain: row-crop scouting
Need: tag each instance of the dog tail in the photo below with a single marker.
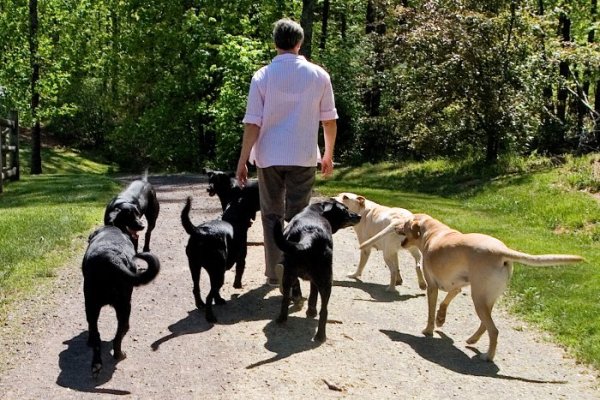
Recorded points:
(185, 217)
(385, 231)
(543, 260)
(285, 245)
(150, 273)
(145, 176)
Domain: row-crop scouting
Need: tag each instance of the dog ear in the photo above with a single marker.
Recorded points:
(328, 206)
(415, 229)
(112, 216)
(361, 200)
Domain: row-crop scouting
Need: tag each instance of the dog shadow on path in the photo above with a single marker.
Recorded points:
(292, 337)
(377, 291)
(443, 352)
(75, 367)
(192, 324)
(249, 306)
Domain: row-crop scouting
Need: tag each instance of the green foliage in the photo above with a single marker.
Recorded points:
(239, 58)
(526, 203)
(167, 80)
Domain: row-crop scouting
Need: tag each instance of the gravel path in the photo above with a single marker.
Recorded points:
(374, 349)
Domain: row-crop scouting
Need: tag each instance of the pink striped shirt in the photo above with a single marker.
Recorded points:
(287, 100)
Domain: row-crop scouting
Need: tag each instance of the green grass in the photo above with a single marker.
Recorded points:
(533, 205)
(45, 219)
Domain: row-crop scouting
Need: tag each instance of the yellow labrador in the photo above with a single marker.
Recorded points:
(452, 259)
(376, 218)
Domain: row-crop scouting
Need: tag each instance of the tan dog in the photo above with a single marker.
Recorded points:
(375, 219)
(452, 259)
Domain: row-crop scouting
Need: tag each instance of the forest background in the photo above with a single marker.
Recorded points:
(167, 80)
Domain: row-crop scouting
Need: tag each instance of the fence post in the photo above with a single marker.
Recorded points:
(14, 116)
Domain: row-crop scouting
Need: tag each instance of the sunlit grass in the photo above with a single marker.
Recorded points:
(45, 219)
(534, 205)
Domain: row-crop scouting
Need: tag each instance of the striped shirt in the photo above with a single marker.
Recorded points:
(287, 100)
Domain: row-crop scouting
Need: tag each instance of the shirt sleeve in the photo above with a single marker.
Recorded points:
(255, 105)
(328, 110)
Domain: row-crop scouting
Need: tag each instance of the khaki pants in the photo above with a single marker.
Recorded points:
(284, 192)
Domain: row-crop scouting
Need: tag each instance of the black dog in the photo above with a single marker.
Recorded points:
(109, 275)
(126, 209)
(215, 246)
(307, 244)
(227, 188)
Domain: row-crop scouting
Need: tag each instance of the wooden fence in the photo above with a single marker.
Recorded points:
(9, 148)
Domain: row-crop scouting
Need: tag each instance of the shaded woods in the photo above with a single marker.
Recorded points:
(167, 81)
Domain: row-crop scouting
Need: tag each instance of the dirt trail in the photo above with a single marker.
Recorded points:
(374, 349)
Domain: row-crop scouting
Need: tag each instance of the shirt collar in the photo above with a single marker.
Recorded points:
(288, 57)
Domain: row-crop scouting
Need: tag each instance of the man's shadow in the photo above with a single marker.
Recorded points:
(75, 367)
(443, 352)
(376, 291)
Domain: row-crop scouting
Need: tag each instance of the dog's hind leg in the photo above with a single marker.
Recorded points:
(325, 292)
(123, 312)
(151, 216)
(364, 257)
(432, 294)
(240, 266)
(484, 306)
(216, 282)
(289, 282)
(391, 260)
(311, 312)
(92, 312)
(416, 253)
(195, 271)
(441, 313)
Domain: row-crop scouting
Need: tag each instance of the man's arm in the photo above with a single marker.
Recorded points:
(329, 133)
(251, 132)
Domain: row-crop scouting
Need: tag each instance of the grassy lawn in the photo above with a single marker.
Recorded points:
(531, 205)
(45, 219)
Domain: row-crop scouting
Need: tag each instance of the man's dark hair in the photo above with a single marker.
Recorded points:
(287, 34)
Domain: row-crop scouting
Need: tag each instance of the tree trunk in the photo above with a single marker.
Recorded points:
(592, 39)
(375, 25)
(36, 142)
(325, 21)
(306, 20)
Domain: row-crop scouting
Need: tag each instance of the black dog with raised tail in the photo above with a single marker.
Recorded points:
(307, 244)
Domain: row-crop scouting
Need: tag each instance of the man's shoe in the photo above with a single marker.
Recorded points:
(274, 282)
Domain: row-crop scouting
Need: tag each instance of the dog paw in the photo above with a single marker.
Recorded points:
(422, 286)
(119, 355)
(391, 289)
(427, 331)
(199, 304)
(311, 312)
(354, 276)
(320, 337)
(441, 318)
(399, 281)
(237, 285)
(486, 357)
(472, 340)
(220, 301)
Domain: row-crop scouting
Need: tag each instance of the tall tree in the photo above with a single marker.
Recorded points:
(324, 24)
(36, 148)
(307, 21)
(564, 71)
